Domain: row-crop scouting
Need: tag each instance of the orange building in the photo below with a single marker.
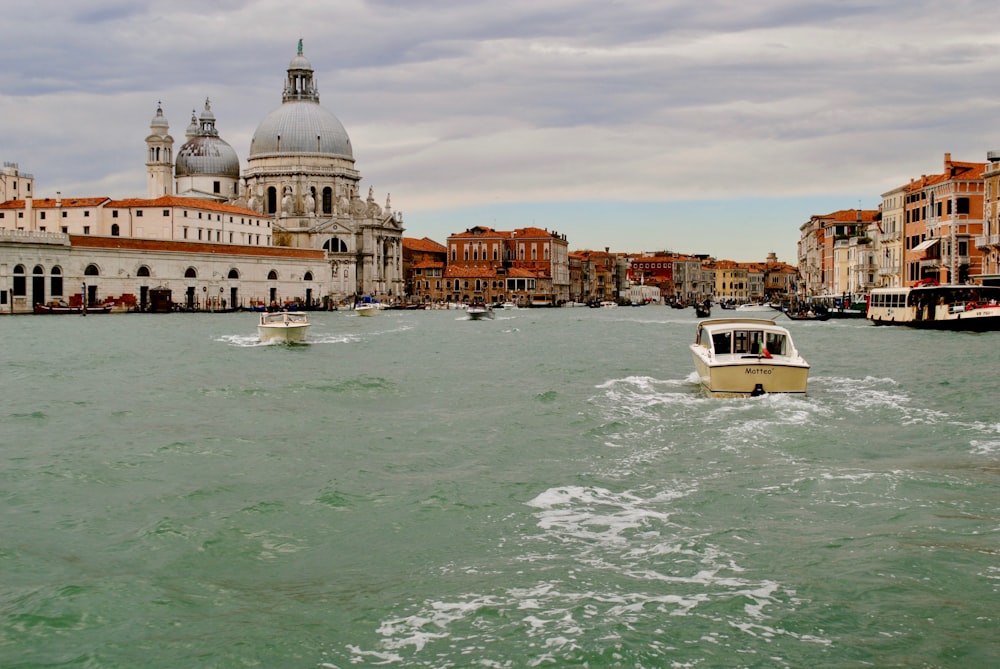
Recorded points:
(424, 262)
(943, 219)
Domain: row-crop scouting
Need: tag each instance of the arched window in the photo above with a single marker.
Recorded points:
(308, 276)
(327, 200)
(233, 274)
(335, 245)
(38, 270)
(272, 276)
(190, 273)
(114, 230)
(142, 271)
(92, 270)
(19, 281)
(272, 199)
(56, 283)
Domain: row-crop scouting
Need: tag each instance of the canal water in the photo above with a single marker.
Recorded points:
(547, 488)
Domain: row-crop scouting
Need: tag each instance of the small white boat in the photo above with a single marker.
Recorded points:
(285, 326)
(509, 306)
(366, 309)
(737, 357)
(753, 306)
(479, 312)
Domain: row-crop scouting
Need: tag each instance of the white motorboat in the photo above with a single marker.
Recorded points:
(479, 312)
(754, 306)
(368, 307)
(288, 327)
(737, 357)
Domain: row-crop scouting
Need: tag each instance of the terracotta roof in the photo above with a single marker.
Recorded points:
(454, 271)
(131, 244)
(428, 264)
(533, 232)
(134, 203)
(188, 202)
(524, 273)
(50, 203)
(426, 244)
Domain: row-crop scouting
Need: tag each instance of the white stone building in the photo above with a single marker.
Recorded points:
(292, 227)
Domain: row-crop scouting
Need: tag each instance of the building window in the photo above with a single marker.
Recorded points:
(64, 214)
(86, 214)
(166, 212)
(86, 229)
(216, 187)
(56, 282)
(114, 213)
(42, 215)
(114, 230)
(20, 282)
(139, 214)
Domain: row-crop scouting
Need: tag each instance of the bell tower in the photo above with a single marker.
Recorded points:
(159, 157)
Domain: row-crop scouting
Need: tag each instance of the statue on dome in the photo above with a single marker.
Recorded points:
(309, 203)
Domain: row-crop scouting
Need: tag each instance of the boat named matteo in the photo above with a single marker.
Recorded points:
(737, 357)
(937, 307)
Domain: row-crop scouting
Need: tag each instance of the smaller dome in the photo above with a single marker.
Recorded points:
(208, 156)
(300, 62)
(159, 121)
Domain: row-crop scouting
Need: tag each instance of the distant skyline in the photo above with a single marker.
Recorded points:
(716, 127)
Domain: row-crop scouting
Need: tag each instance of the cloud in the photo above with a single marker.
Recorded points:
(456, 104)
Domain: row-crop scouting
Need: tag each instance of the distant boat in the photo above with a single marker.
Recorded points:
(63, 308)
(479, 312)
(703, 309)
(288, 327)
(930, 306)
(367, 307)
(753, 306)
(738, 357)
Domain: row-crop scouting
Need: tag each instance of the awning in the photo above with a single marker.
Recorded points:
(923, 246)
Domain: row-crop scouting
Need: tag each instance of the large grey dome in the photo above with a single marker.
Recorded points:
(300, 126)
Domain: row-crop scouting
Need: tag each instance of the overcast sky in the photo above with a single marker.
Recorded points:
(715, 126)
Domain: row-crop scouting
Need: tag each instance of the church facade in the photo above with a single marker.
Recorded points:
(292, 226)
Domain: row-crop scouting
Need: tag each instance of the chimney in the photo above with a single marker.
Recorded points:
(58, 198)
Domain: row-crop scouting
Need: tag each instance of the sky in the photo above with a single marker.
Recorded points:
(716, 126)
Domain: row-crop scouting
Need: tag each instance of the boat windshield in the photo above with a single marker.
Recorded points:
(751, 342)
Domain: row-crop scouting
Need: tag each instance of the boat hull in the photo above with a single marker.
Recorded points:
(742, 377)
(49, 309)
(288, 334)
(366, 311)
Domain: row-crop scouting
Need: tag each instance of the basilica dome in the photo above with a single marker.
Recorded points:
(300, 125)
(205, 153)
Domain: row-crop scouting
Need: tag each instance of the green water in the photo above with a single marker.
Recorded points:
(544, 489)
